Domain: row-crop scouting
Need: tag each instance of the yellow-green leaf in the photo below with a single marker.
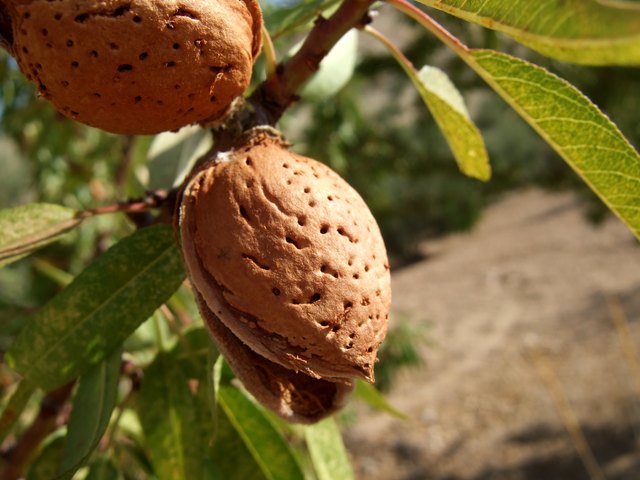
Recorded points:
(589, 142)
(270, 452)
(29, 227)
(372, 396)
(169, 416)
(593, 32)
(328, 454)
(449, 111)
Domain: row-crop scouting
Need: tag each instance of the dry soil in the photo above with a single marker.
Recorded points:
(523, 345)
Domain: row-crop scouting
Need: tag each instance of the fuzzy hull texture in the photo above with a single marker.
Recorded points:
(137, 66)
(290, 260)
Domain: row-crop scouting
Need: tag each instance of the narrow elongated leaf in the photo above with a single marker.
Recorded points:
(267, 447)
(589, 142)
(593, 32)
(232, 459)
(14, 408)
(99, 309)
(328, 454)
(448, 109)
(92, 407)
(372, 396)
(169, 418)
(29, 227)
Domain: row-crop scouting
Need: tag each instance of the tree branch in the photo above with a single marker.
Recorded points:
(278, 91)
(22, 452)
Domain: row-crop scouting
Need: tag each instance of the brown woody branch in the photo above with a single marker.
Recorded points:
(278, 91)
(19, 455)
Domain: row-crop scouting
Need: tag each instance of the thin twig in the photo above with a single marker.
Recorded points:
(430, 24)
(278, 91)
(154, 200)
(404, 62)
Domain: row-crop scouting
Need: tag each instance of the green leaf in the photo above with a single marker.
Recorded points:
(29, 227)
(592, 32)
(232, 459)
(169, 418)
(14, 408)
(267, 447)
(172, 155)
(46, 464)
(192, 352)
(589, 142)
(103, 469)
(99, 309)
(336, 69)
(284, 17)
(370, 394)
(216, 368)
(449, 111)
(327, 451)
(93, 404)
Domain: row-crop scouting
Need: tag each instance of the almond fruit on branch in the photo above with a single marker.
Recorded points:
(291, 274)
(135, 66)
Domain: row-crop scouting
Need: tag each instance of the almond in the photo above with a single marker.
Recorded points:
(137, 66)
(294, 396)
(290, 260)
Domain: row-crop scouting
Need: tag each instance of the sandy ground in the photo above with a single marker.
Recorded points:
(523, 340)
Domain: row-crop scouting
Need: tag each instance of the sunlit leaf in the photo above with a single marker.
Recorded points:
(329, 456)
(450, 113)
(593, 32)
(232, 459)
(589, 142)
(267, 447)
(169, 417)
(99, 309)
(448, 109)
(372, 396)
(29, 227)
(93, 404)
